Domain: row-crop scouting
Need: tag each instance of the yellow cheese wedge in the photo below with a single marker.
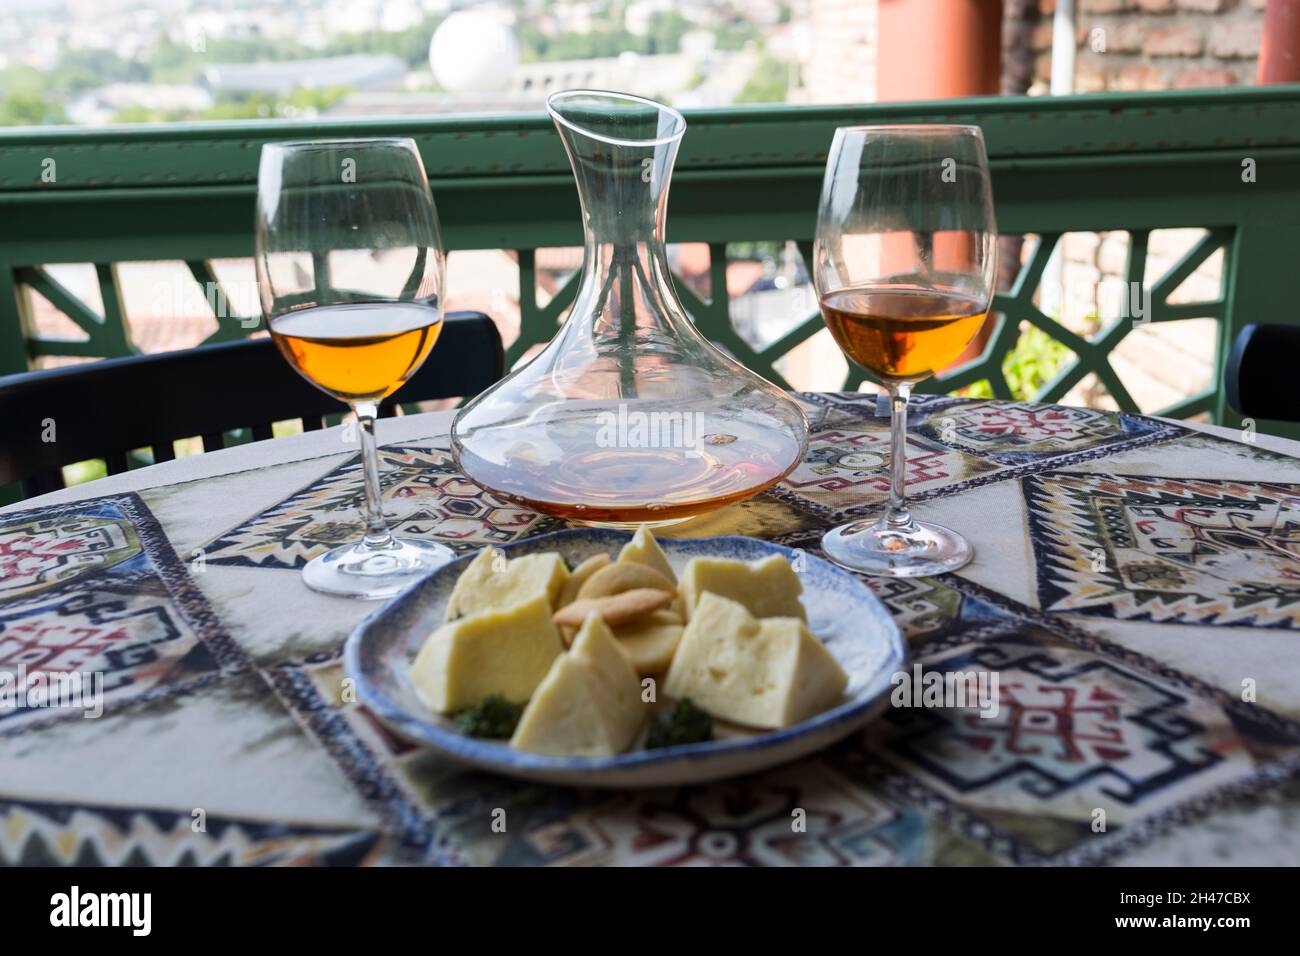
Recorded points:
(767, 673)
(816, 681)
(617, 685)
(589, 704)
(505, 652)
(491, 582)
(767, 588)
(644, 549)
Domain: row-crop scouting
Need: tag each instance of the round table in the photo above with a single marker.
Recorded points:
(1136, 588)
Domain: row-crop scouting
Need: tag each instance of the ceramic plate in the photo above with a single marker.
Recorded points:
(853, 624)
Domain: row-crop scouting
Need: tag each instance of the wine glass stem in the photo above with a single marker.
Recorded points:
(378, 537)
(896, 516)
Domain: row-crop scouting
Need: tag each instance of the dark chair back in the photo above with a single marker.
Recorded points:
(108, 408)
(1258, 376)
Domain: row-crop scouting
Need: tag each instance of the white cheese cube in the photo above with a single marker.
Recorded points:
(505, 652)
(767, 588)
(492, 583)
(644, 549)
(589, 704)
(768, 673)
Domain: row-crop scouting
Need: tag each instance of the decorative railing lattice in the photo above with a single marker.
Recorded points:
(1227, 162)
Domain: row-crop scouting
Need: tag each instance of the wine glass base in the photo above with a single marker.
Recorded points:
(921, 551)
(356, 571)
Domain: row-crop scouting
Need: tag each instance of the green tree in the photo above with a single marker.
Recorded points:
(82, 70)
(666, 32)
(26, 110)
(23, 101)
(1032, 362)
(769, 83)
(143, 114)
(299, 103)
(411, 45)
(736, 35)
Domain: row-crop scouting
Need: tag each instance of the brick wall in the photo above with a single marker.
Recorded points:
(1133, 45)
(1156, 44)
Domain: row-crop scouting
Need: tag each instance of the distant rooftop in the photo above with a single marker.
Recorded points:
(359, 71)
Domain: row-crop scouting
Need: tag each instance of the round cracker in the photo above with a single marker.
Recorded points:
(623, 576)
(615, 609)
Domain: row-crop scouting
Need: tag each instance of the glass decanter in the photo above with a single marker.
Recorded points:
(629, 414)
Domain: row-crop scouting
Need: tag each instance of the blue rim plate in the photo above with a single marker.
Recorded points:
(849, 619)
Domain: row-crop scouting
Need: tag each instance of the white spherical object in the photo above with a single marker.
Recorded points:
(473, 52)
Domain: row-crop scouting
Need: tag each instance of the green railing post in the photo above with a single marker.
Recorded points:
(13, 338)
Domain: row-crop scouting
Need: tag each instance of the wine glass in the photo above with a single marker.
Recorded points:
(350, 272)
(904, 264)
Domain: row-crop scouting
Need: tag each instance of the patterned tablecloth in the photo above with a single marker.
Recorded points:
(1136, 587)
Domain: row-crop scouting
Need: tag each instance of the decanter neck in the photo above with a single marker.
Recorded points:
(622, 150)
(623, 190)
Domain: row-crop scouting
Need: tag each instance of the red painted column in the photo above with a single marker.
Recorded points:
(1279, 51)
(935, 50)
(938, 49)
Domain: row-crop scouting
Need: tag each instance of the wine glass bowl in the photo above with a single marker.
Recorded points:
(322, 344)
(904, 263)
(901, 333)
(350, 271)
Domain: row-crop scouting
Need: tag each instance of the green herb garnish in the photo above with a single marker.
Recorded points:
(684, 724)
(493, 716)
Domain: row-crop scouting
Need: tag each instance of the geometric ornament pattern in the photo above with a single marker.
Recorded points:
(1071, 732)
(848, 465)
(63, 835)
(1171, 551)
(95, 606)
(952, 444)
(1022, 431)
(423, 494)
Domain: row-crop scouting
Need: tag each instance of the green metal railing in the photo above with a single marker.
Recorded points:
(1226, 161)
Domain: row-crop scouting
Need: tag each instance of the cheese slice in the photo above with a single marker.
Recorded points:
(491, 582)
(505, 652)
(589, 704)
(650, 642)
(768, 587)
(644, 549)
(766, 673)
